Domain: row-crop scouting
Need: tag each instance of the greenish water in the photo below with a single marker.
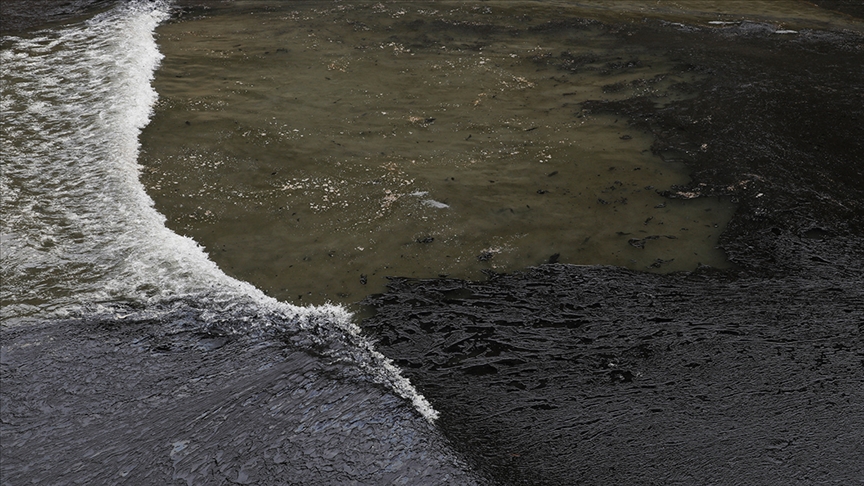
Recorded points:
(315, 151)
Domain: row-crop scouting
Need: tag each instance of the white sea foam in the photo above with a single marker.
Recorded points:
(435, 204)
(79, 233)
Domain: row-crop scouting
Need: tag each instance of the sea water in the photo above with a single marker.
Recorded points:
(315, 150)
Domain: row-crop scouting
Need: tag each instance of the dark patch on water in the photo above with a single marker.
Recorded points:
(772, 126)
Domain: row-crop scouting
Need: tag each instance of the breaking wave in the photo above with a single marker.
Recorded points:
(80, 236)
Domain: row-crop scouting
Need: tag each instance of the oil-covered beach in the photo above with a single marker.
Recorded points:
(540, 242)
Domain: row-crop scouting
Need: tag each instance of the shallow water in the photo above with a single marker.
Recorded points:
(315, 151)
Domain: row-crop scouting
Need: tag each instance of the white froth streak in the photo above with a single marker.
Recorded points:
(78, 226)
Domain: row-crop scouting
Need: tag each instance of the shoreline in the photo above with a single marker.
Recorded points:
(554, 375)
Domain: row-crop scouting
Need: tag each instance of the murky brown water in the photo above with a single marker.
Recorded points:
(315, 151)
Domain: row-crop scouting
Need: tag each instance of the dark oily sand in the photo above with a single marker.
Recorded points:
(594, 375)
(597, 375)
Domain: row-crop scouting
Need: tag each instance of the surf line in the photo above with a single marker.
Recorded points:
(79, 97)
